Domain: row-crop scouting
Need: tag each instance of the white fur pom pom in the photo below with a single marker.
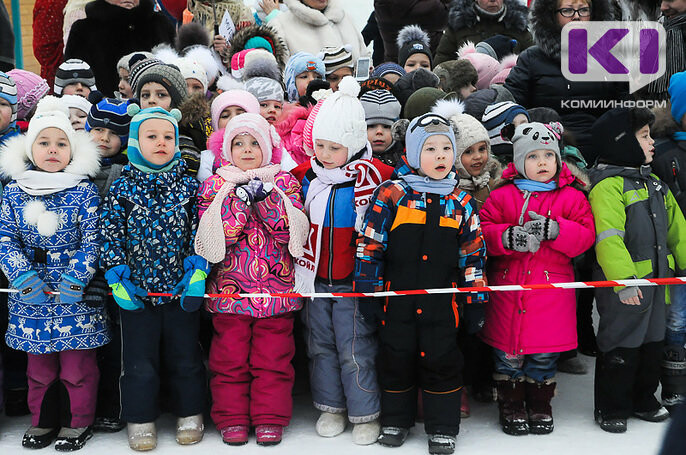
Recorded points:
(32, 211)
(52, 103)
(349, 86)
(412, 33)
(467, 48)
(48, 222)
(448, 108)
(226, 83)
(165, 53)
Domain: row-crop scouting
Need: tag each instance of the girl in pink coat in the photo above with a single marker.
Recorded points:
(534, 224)
(251, 226)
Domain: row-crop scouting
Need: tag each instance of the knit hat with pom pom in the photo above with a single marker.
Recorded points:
(413, 40)
(486, 66)
(341, 118)
(468, 130)
(30, 89)
(133, 150)
(260, 63)
(51, 112)
(240, 98)
(506, 66)
(258, 127)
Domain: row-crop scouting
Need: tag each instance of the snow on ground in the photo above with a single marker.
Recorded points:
(575, 432)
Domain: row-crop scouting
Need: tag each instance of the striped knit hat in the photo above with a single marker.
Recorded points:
(138, 68)
(337, 57)
(110, 113)
(265, 89)
(30, 89)
(380, 107)
(497, 115)
(73, 71)
(388, 68)
(167, 76)
(8, 91)
(133, 150)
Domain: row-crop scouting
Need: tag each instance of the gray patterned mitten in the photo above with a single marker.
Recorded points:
(517, 239)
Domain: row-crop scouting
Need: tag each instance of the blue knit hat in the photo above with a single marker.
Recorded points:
(133, 151)
(109, 113)
(388, 68)
(420, 129)
(257, 42)
(299, 63)
(8, 91)
(677, 95)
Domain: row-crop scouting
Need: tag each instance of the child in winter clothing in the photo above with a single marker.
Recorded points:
(389, 71)
(79, 107)
(8, 108)
(381, 110)
(457, 76)
(301, 68)
(269, 94)
(338, 183)
(534, 224)
(496, 117)
(422, 232)
(338, 61)
(641, 232)
(50, 241)
(74, 77)
(414, 50)
(251, 224)
(148, 224)
(224, 107)
(30, 89)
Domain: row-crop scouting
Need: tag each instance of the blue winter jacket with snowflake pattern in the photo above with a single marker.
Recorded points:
(149, 222)
(73, 249)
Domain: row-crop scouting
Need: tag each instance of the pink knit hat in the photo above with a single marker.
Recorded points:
(30, 89)
(238, 62)
(506, 66)
(486, 66)
(233, 98)
(258, 127)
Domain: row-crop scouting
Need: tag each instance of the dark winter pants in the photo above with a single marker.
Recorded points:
(63, 388)
(252, 375)
(168, 331)
(626, 380)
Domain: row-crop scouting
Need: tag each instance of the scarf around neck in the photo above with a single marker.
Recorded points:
(425, 184)
(41, 183)
(533, 185)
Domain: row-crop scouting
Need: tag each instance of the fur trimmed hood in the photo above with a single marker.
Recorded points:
(194, 110)
(85, 157)
(546, 30)
(333, 13)
(243, 35)
(463, 15)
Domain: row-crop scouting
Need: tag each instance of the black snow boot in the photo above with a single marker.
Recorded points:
(673, 376)
(441, 443)
(38, 438)
(513, 417)
(393, 436)
(538, 397)
(70, 439)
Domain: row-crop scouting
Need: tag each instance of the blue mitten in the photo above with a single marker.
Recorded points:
(31, 288)
(254, 191)
(123, 290)
(71, 289)
(192, 285)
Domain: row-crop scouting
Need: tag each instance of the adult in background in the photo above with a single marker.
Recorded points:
(47, 36)
(310, 25)
(112, 29)
(537, 80)
(6, 40)
(392, 15)
(477, 20)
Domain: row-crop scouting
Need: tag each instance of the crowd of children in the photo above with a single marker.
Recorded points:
(293, 175)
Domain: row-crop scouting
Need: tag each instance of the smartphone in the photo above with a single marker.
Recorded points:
(362, 69)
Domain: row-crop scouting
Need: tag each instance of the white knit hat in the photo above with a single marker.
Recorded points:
(77, 102)
(258, 127)
(341, 118)
(51, 112)
(470, 132)
(190, 69)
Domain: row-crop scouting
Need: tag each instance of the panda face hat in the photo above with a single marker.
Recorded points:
(529, 137)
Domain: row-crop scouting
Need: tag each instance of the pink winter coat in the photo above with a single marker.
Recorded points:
(290, 130)
(529, 322)
(257, 257)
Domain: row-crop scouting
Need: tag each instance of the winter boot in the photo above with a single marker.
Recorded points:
(142, 436)
(268, 435)
(330, 424)
(108, 425)
(611, 425)
(38, 438)
(366, 433)
(189, 430)
(673, 376)
(235, 435)
(393, 436)
(659, 415)
(513, 417)
(70, 439)
(441, 443)
(538, 396)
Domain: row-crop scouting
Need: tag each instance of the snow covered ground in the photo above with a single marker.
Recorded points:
(575, 432)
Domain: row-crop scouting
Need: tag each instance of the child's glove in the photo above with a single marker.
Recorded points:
(518, 239)
(31, 288)
(192, 285)
(71, 289)
(541, 227)
(123, 290)
(253, 191)
(95, 294)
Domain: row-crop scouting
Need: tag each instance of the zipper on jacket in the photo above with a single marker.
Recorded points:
(547, 278)
(505, 273)
(332, 201)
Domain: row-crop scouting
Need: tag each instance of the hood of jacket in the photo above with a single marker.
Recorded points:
(603, 171)
(463, 15)
(85, 157)
(102, 11)
(546, 30)
(194, 110)
(570, 175)
(332, 13)
(243, 35)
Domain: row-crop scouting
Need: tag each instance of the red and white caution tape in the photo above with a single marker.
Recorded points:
(502, 288)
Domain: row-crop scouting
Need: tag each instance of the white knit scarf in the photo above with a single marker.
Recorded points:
(40, 183)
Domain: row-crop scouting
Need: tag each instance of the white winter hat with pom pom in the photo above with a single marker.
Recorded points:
(258, 127)
(341, 118)
(51, 112)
